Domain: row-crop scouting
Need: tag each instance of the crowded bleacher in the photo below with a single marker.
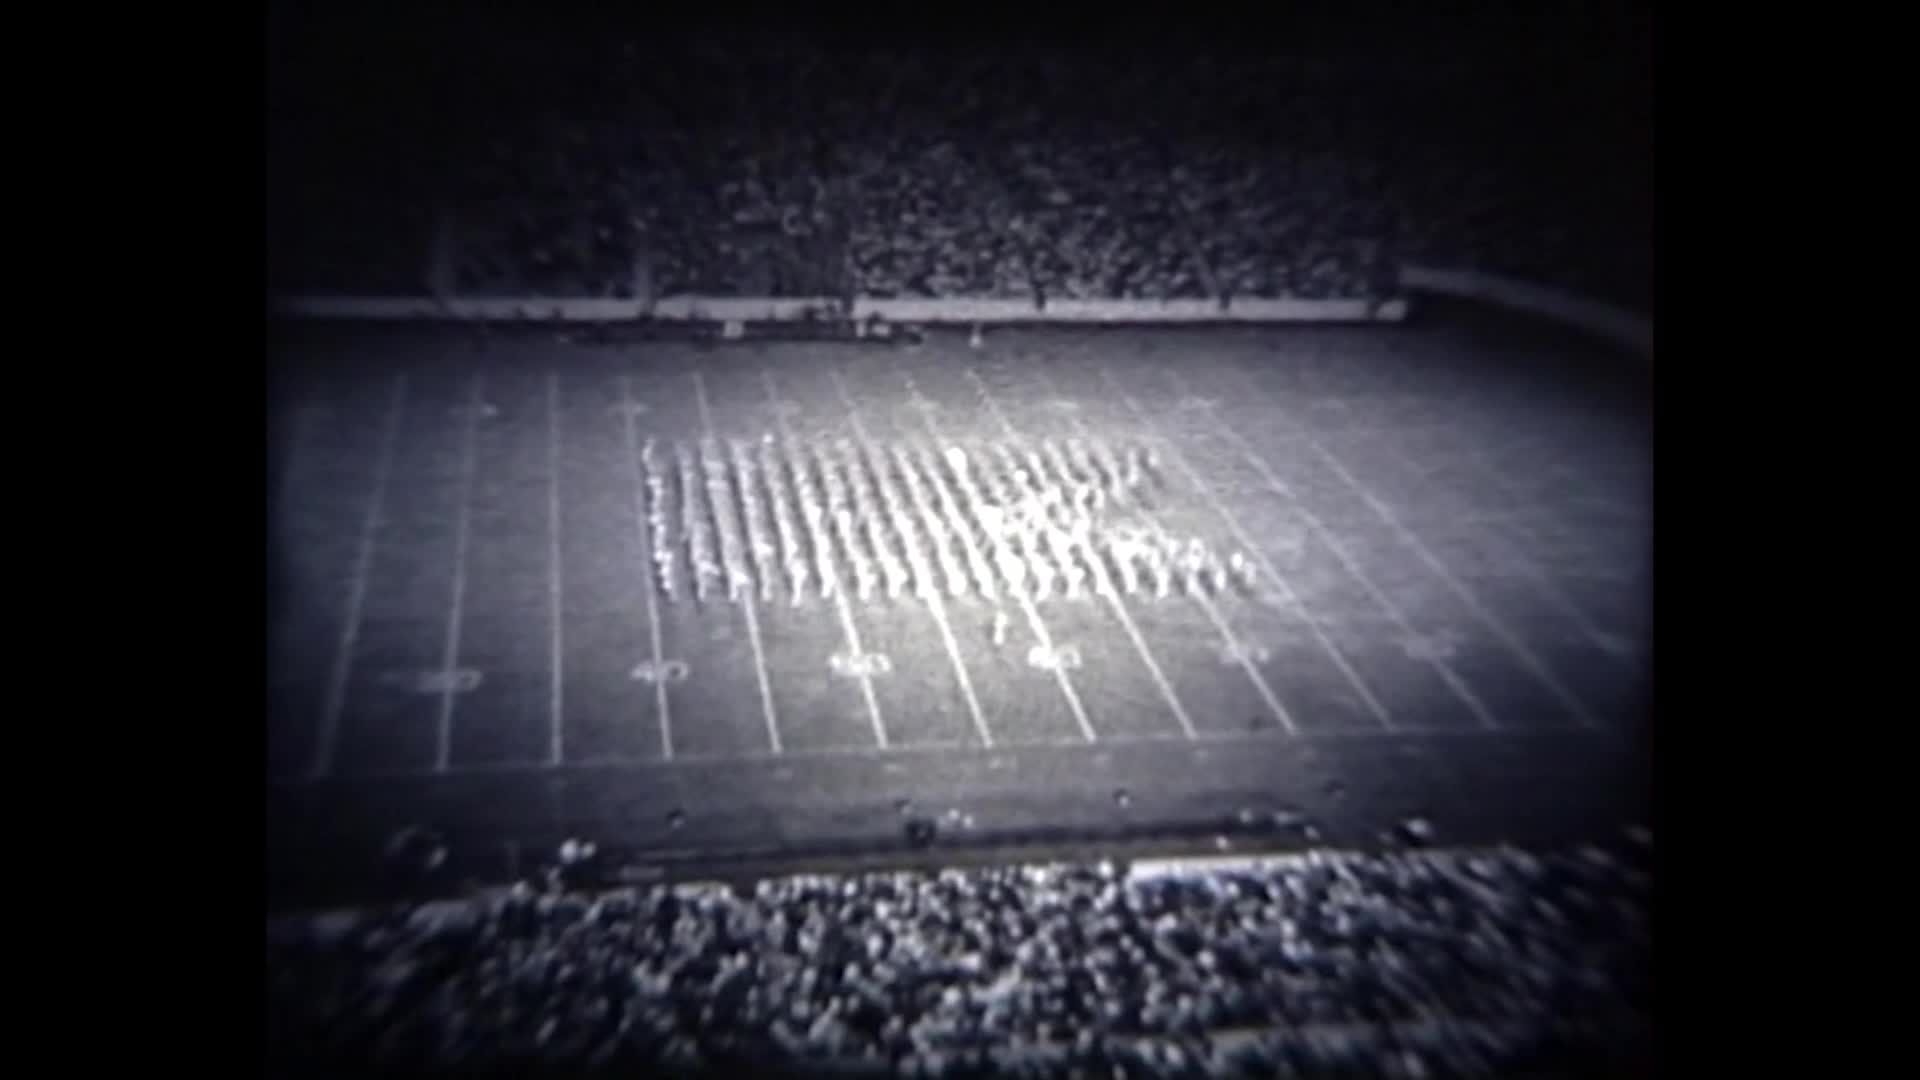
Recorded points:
(788, 164)
(1408, 963)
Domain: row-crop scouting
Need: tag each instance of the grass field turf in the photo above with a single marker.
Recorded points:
(1449, 542)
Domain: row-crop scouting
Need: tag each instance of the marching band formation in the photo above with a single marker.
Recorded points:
(1054, 519)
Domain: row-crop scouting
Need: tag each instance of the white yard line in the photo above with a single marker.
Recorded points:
(746, 598)
(1487, 617)
(640, 527)
(901, 751)
(1459, 444)
(848, 627)
(1518, 554)
(336, 699)
(456, 605)
(932, 597)
(1106, 587)
(1386, 605)
(1253, 548)
(1034, 623)
(1206, 604)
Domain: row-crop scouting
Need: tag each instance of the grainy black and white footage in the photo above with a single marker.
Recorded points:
(1235, 661)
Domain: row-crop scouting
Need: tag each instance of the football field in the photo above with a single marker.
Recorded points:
(766, 599)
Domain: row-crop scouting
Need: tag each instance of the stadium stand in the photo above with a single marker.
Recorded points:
(1410, 963)
(784, 165)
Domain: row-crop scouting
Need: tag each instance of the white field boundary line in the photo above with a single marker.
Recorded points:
(705, 309)
(556, 657)
(1287, 594)
(1501, 631)
(1103, 583)
(746, 600)
(848, 627)
(1277, 740)
(457, 599)
(1326, 536)
(629, 424)
(922, 406)
(1227, 636)
(336, 698)
(931, 595)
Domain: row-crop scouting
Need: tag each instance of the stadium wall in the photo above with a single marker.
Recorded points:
(1626, 328)
(710, 309)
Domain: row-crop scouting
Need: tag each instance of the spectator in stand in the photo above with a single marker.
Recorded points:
(1078, 964)
(808, 166)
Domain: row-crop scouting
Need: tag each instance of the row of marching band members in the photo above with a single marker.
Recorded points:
(1063, 518)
